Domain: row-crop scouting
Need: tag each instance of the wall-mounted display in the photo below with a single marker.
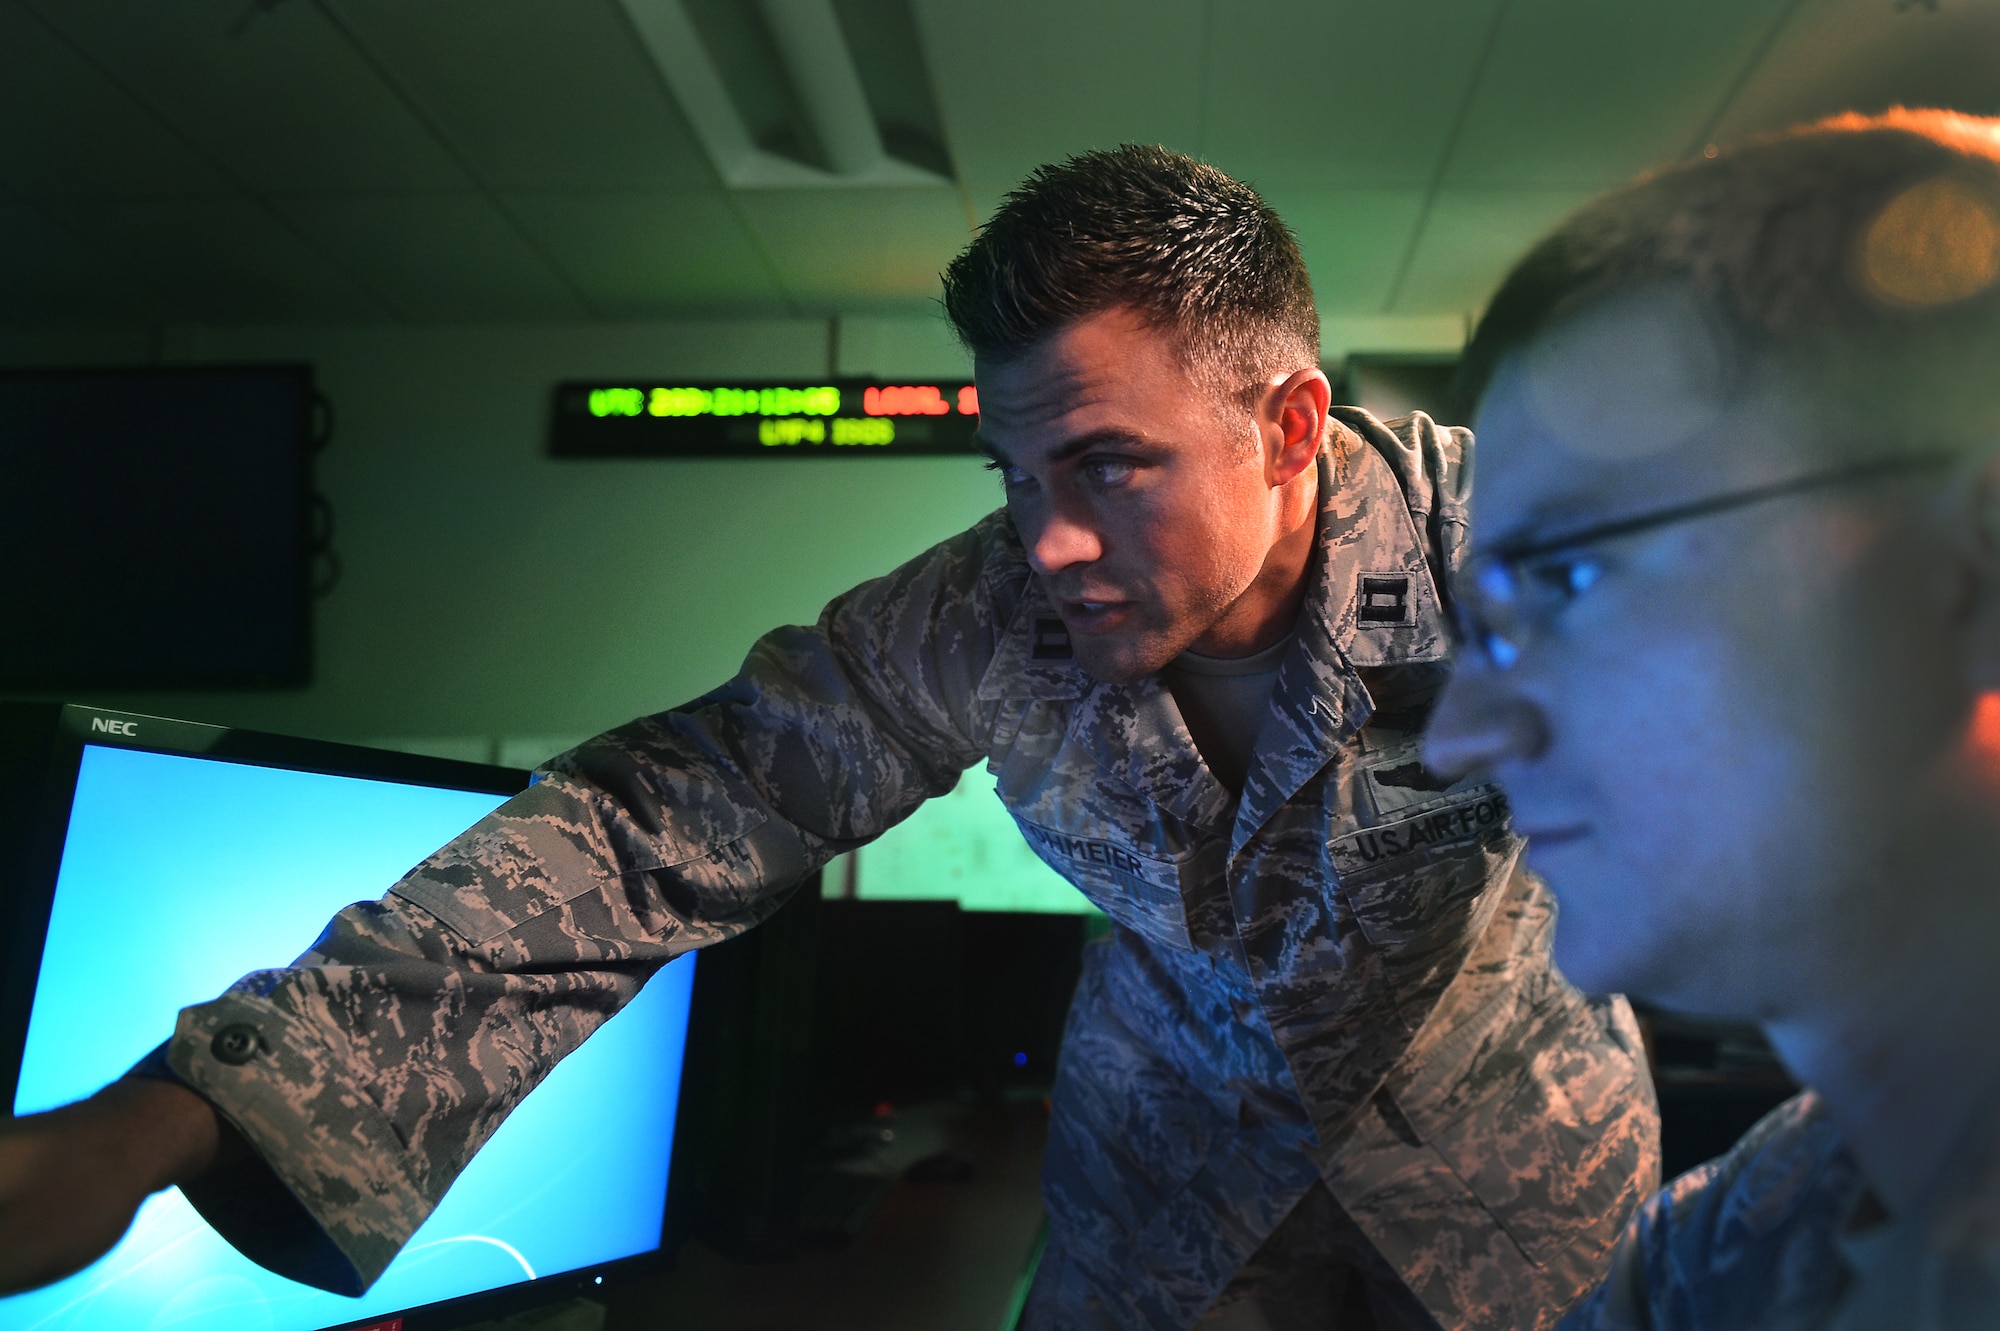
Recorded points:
(750, 418)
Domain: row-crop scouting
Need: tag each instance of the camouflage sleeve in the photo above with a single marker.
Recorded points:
(1433, 464)
(1644, 1288)
(1730, 1242)
(367, 1074)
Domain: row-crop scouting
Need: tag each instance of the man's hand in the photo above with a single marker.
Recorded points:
(71, 1179)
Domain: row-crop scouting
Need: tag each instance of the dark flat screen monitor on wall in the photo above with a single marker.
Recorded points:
(155, 528)
(147, 864)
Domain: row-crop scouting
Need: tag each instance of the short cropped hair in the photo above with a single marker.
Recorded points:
(1189, 249)
(1859, 255)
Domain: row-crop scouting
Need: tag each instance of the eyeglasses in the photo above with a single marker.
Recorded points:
(1506, 595)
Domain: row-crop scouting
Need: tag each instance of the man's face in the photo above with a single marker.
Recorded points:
(1143, 502)
(1719, 736)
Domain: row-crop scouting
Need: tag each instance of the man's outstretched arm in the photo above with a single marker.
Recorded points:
(364, 1076)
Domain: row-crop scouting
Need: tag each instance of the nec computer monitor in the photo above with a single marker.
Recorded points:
(165, 861)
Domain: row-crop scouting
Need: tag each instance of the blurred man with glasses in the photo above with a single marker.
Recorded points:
(1732, 621)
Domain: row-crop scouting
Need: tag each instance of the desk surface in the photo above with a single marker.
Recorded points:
(934, 1256)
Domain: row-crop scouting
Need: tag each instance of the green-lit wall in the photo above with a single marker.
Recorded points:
(492, 592)
(499, 605)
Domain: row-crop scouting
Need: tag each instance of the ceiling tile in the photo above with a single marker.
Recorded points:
(1585, 93)
(1865, 55)
(221, 260)
(641, 255)
(53, 278)
(284, 102)
(435, 258)
(1353, 240)
(1470, 239)
(1028, 82)
(858, 249)
(555, 108)
(537, 96)
(1373, 106)
(70, 131)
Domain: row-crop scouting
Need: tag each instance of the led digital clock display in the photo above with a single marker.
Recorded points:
(834, 418)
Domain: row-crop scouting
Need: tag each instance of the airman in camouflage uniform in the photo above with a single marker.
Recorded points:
(1342, 979)
(1325, 1031)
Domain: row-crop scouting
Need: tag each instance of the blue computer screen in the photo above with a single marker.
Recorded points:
(181, 874)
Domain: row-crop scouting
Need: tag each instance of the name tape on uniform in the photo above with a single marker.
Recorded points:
(1077, 848)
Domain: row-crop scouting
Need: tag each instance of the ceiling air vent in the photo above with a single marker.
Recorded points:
(789, 94)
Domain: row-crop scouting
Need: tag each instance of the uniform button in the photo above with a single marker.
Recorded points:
(1242, 1007)
(235, 1045)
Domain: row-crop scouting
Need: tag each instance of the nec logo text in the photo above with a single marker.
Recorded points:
(105, 725)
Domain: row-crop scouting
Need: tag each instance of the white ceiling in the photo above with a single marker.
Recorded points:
(443, 161)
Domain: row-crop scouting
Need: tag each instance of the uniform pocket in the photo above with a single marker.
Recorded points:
(1407, 878)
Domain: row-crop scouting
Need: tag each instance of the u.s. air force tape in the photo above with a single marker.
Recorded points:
(1376, 846)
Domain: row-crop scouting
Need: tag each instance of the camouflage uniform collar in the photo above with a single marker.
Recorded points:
(1133, 730)
(1033, 658)
(1373, 591)
(1370, 602)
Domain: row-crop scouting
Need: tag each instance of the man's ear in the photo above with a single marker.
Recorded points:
(1299, 416)
(1974, 521)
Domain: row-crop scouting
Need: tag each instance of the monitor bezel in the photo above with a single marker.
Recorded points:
(41, 754)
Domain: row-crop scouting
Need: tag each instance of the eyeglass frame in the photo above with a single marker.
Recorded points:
(1474, 627)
